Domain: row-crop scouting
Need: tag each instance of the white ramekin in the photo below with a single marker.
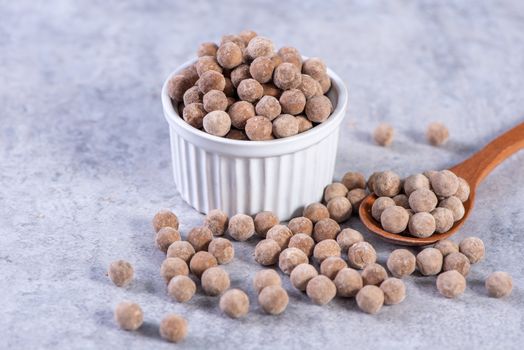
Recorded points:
(281, 175)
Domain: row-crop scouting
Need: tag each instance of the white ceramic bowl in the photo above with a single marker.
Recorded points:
(281, 175)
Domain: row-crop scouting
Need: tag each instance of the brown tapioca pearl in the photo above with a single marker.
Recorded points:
(394, 219)
(455, 205)
(194, 114)
(473, 249)
(499, 284)
(165, 237)
(229, 90)
(437, 134)
(394, 291)
(309, 86)
(347, 237)
(301, 275)
(177, 86)
(325, 229)
(429, 261)
(422, 225)
(301, 224)
(129, 316)
(287, 76)
(190, 73)
(268, 107)
(339, 209)
(216, 220)
(292, 101)
(463, 190)
(267, 252)
(273, 299)
(374, 274)
(401, 263)
(217, 123)
(173, 328)
(215, 100)
(259, 47)
(443, 219)
(207, 63)
(331, 266)
(240, 73)
(325, 249)
(423, 200)
(193, 95)
(261, 69)
(379, 205)
(318, 108)
(181, 249)
(303, 242)
(235, 134)
(415, 182)
(280, 234)
(121, 273)
(290, 258)
(316, 212)
(229, 55)
(277, 60)
(241, 227)
(355, 197)
(230, 101)
(457, 261)
(387, 184)
(291, 55)
(402, 201)
(370, 299)
(447, 247)
(259, 128)
(361, 254)
(383, 134)
(200, 262)
(314, 67)
(222, 250)
(264, 221)
(211, 80)
(444, 183)
(451, 284)
(165, 218)
(348, 282)
(352, 180)
(321, 290)
(371, 181)
(250, 90)
(247, 35)
(207, 49)
(285, 125)
(234, 303)
(240, 112)
(181, 288)
(172, 267)
(215, 281)
(325, 83)
(271, 90)
(266, 278)
(304, 124)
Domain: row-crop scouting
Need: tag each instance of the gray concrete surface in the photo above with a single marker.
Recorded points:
(85, 163)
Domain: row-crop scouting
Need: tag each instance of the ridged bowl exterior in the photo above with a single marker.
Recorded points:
(247, 177)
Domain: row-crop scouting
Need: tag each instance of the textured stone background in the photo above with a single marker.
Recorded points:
(85, 163)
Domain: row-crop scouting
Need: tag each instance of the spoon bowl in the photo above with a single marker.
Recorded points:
(473, 170)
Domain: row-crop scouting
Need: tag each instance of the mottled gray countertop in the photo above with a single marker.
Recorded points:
(85, 163)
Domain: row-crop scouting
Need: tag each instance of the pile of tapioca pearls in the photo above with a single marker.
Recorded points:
(242, 89)
(419, 205)
(291, 246)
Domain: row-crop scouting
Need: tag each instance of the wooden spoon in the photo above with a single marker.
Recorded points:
(473, 170)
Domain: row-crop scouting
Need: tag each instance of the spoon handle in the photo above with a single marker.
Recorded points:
(478, 166)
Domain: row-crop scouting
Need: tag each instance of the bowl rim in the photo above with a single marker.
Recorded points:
(314, 134)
